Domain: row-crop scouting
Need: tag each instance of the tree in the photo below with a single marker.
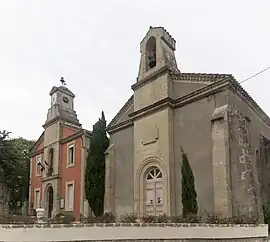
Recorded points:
(189, 194)
(20, 153)
(15, 168)
(95, 167)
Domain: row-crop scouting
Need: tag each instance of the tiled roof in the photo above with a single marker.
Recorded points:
(200, 77)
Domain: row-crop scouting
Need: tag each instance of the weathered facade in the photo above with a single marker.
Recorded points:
(221, 128)
(58, 159)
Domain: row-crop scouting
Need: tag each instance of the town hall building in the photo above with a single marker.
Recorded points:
(58, 159)
(224, 133)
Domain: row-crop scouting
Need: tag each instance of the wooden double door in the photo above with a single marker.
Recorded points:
(154, 192)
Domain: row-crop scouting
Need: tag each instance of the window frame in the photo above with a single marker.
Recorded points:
(37, 203)
(38, 165)
(67, 208)
(69, 146)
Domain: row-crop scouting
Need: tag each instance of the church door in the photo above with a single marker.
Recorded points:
(154, 192)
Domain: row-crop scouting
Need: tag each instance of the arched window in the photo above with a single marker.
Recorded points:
(151, 53)
(154, 173)
(50, 164)
(154, 192)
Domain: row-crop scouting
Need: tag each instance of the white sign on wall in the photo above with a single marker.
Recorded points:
(62, 203)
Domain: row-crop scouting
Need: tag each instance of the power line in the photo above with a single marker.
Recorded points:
(255, 74)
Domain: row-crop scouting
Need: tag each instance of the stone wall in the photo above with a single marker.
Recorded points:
(133, 232)
(245, 188)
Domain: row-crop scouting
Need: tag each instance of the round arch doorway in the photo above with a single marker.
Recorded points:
(50, 201)
(154, 192)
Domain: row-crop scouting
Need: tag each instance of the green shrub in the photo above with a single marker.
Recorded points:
(266, 213)
(156, 219)
(149, 219)
(129, 218)
(219, 219)
(177, 219)
(162, 218)
(216, 219)
(63, 218)
(106, 218)
(16, 219)
(192, 218)
(243, 220)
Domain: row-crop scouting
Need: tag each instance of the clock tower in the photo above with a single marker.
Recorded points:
(62, 106)
(58, 158)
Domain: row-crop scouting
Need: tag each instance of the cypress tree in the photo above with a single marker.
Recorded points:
(95, 167)
(189, 194)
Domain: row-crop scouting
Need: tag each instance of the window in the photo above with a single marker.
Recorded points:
(37, 199)
(50, 165)
(69, 196)
(38, 166)
(70, 154)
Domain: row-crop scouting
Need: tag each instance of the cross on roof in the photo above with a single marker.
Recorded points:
(63, 81)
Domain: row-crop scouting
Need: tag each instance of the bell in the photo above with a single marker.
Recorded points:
(152, 63)
(152, 59)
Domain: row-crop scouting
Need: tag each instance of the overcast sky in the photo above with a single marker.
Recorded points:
(94, 45)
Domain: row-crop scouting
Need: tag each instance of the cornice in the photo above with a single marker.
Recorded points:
(168, 102)
(37, 143)
(242, 93)
(56, 119)
(38, 152)
(72, 137)
(121, 111)
(153, 107)
(70, 126)
(49, 178)
(120, 126)
(153, 76)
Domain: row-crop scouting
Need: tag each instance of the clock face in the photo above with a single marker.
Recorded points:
(65, 100)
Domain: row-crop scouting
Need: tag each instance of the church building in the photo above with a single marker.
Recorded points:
(223, 131)
(58, 159)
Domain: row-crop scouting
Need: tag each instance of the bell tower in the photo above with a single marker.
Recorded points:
(157, 61)
(153, 117)
(157, 53)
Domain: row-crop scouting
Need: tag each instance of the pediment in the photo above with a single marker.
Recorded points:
(123, 114)
(39, 144)
(62, 89)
